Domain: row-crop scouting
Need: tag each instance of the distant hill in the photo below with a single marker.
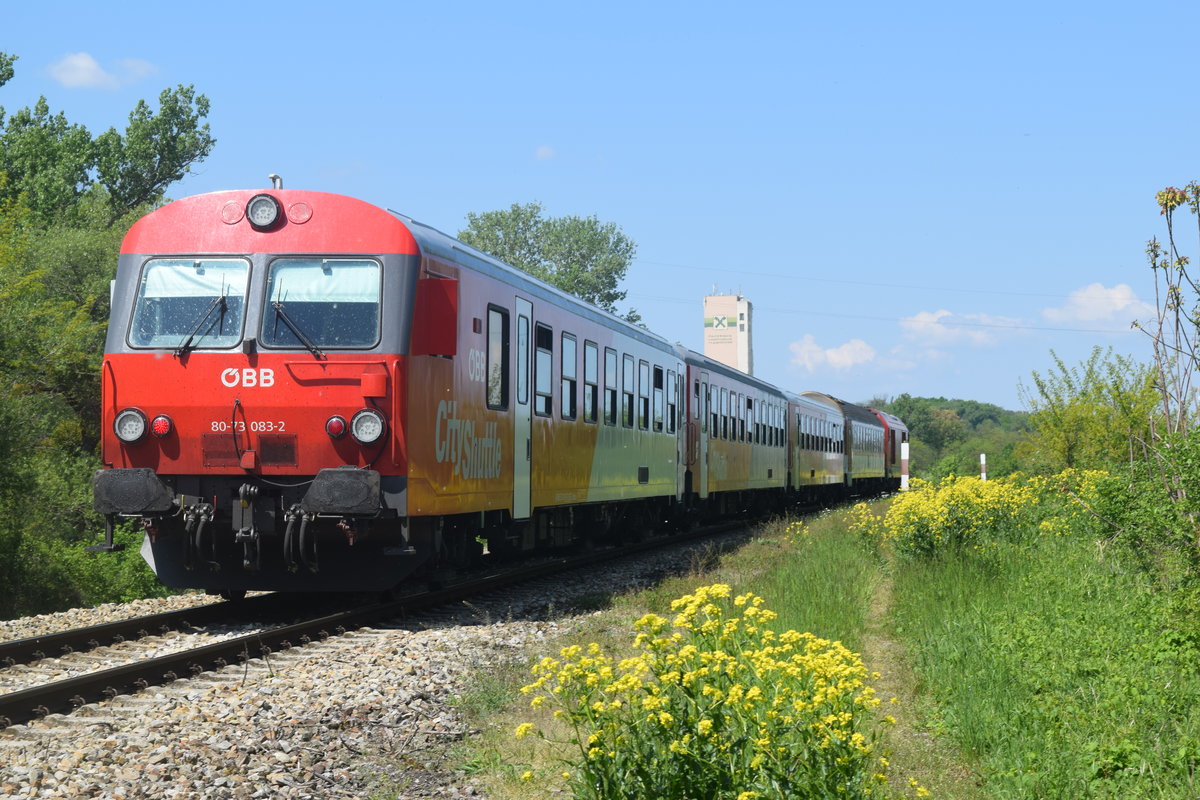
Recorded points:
(947, 436)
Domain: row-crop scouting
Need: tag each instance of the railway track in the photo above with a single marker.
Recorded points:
(66, 695)
(81, 640)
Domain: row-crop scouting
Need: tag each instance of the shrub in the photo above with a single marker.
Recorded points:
(715, 705)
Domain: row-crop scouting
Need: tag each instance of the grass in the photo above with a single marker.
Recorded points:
(1057, 666)
(1053, 668)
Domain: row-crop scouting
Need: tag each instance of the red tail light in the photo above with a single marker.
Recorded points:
(335, 426)
(161, 425)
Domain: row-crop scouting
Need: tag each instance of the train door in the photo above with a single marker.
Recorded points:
(523, 419)
(702, 460)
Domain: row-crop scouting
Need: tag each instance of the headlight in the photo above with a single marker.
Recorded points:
(130, 425)
(367, 426)
(262, 211)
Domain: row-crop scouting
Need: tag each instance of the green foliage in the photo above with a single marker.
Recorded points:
(156, 149)
(1091, 415)
(112, 578)
(583, 256)
(947, 436)
(52, 163)
(6, 74)
(47, 159)
(66, 201)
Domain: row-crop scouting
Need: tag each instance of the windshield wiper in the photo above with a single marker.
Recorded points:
(304, 340)
(186, 346)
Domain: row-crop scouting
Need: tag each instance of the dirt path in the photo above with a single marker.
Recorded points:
(915, 753)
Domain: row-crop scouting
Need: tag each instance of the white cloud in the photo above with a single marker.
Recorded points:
(810, 355)
(545, 153)
(940, 328)
(1095, 303)
(135, 69)
(81, 71)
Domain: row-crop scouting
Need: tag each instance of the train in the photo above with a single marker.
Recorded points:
(303, 391)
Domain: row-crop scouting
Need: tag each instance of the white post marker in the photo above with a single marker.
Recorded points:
(904, 466)
(983, 466)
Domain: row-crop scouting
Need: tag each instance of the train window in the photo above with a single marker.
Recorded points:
(591, 381)
(752, 413)
(627, 391)
(643, 395)
(610, 386)
(184, 303)
(570, 365)
(543, 365)
(321, 302)
(497, 358)
(714, 411)
(725, 414)
(659, 388)
(672, 400)
(522, 359)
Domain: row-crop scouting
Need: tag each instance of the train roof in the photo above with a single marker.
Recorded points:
(721, 368)
(850, 411)
(435, 242)
(815, 401)
(857, 412)
(892, 420)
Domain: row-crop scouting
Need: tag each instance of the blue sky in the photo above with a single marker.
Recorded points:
(922, 198)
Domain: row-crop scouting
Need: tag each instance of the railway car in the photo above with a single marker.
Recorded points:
(895, 433)
(304, 391)
(816, 448)
(862, 447)
(737, 439)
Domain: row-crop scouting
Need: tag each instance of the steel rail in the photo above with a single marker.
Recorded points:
(53, 645)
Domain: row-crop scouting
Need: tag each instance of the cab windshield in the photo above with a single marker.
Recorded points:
(188, 303)
(321, 302)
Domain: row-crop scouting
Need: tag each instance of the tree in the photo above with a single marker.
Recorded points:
(66, 200)
(1091, 415)
(156, 150)
(947, 436)
(47, 160)
(580, 255)
(53, 163)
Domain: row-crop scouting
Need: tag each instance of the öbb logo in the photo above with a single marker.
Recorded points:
(248, 377)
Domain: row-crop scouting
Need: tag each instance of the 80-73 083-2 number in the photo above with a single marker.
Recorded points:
(240, 426)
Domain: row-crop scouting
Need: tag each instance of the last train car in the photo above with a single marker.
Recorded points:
(306, 391)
